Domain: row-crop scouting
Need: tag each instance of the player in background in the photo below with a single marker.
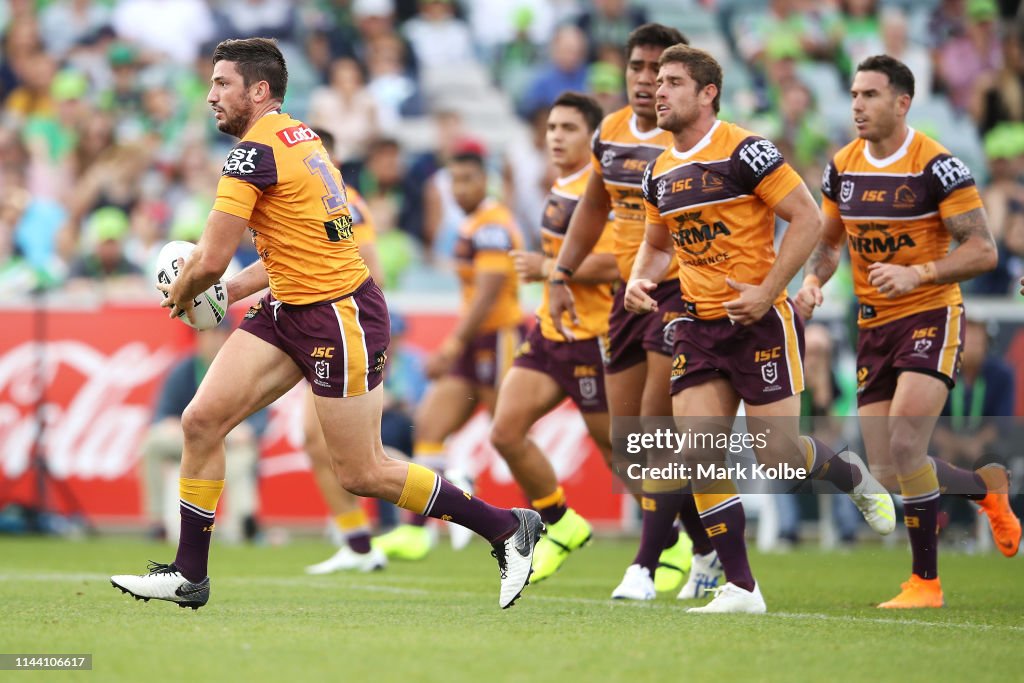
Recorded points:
(346, 510)
(323, 319)
(549, 366)
(712, 198)
(639, 353)
(899, 199)
(473, 359)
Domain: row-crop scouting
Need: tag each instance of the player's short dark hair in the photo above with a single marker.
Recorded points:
(655, 35)
(584, 104)
(901, 78)
(257, 59)
(469, 158)
(702, 67)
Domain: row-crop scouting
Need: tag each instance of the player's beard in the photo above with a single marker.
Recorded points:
(235, 124)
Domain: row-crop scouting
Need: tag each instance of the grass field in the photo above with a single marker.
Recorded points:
(439, 620)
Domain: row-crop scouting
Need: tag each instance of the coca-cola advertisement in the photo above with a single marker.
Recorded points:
(77, 390)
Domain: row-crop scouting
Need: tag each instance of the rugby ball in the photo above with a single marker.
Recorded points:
(211, 307)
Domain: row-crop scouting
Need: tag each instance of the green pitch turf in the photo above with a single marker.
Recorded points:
(438, 620)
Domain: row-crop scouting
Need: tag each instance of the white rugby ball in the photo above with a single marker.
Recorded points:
(211, 306)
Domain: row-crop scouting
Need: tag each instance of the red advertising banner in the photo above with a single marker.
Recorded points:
(89, 378)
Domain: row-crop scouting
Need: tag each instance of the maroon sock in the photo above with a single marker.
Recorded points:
(452, 504)
(673, 534)
(830, 467)
(551, 514)
(417, 520)
(359, 542)
(726, 524)
(659, 516)
(956, 481)
(690, 519)
(921, 516)
(194, 543)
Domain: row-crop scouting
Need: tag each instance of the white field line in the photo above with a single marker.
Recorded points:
(334, 584)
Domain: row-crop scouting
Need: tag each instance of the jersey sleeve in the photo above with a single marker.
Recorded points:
(596, 151)
(491, 244)
(953, 186)
(249, 170)
(829, 185)
(649, 193)
(763, 171)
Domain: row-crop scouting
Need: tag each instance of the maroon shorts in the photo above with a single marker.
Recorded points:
(631, 336)
(486, 360)
(930, 342)
(577, 367)
(341, 346)
(763, 361)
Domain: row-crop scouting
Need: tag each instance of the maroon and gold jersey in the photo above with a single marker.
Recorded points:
(716, 200)
(893, 211)
(280, 179)
(593, 301)
(485, 240)
(620, 153)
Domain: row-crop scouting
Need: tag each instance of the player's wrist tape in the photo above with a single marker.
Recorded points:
(567, 272)
(926, 271)
(812, 281)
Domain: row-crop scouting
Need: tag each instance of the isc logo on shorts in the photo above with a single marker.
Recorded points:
(323, 352)
(763, 355)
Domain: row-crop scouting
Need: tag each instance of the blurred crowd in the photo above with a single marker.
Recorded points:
(108, 149)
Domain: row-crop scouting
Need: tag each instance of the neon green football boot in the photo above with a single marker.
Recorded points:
(674, 564)
(406, 542)
(570, 533)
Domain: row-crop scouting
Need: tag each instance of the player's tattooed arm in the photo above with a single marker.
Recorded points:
(976, 251)
(824, 259)
(820, 266)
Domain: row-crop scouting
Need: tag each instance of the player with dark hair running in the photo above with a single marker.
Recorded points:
(550, 365)
(711, 198)
(639, 352)
(473, 359)
(899, 199)
(324, 319)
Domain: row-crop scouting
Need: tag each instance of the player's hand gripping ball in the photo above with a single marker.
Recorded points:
(211, 306)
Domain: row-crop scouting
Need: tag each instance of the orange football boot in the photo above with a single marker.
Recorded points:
(996, 504)
(917, 593)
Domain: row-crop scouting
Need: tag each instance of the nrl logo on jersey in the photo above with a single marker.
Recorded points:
(845, 191)
(661, 188)
(608, 157)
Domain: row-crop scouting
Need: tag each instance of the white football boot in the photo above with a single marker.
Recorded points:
(731, 599)
(164, 582)
(515, 556)
(637, 584)
(705, 575)
(347, 559)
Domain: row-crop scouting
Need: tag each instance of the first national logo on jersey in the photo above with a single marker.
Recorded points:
(242, 161)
